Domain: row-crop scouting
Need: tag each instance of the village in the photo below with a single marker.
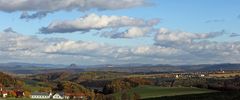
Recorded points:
(40, 95)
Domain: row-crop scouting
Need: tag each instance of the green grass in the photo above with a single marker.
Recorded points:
(234, 95)
(24, 99)
(155, 91)
(18, 99)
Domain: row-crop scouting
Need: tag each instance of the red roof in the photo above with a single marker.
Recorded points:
(4, 92)
(75, 94)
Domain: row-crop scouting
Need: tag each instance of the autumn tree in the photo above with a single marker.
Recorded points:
(117, 85)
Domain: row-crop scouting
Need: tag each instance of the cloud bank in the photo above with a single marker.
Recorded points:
(17, 47)
(41, 8)
(200, 45)
(166, 37)
(133, 32)
(171, 47)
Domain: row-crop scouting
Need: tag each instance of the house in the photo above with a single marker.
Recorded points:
(202, 75)
(60, 96)
(41, 95)
(79, 96)
(4, 94)
(177, 76)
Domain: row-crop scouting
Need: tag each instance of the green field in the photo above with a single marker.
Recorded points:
(23, 99)
(155, 91)
(204, 96)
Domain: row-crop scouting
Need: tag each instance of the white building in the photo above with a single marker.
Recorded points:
(41, 95)
(4, 94)
(60, 96)
(202, 75)
(177, 76)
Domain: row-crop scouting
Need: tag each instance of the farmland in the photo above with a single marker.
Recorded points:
(155, 91)
(203, 96)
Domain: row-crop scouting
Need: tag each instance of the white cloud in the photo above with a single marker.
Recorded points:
(17, 47)
(201, 46)
(157, 51)
(49, 6)
(165, 36)
(95, 22)
(133, 32)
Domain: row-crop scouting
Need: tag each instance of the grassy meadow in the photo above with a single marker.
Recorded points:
(203, 96)
(155, 91)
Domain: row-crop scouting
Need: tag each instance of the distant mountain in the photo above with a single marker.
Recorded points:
(212, 67)
(19, 64)
(168, 68)
(116, 65)
(29, 68)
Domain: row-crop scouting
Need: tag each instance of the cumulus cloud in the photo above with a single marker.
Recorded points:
(133, 32)
(75, 48)
(9, 29)
(158, 51)
(18, 47)
(42, 7)
(199, 45)
(135, 27)
(39, 15)
(95, 22)
(165, 36)
(114, 53)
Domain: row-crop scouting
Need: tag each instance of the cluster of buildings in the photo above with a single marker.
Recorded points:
(61, 95)
(5, 93)
(190, 75)
(42, 95)
(198, 74)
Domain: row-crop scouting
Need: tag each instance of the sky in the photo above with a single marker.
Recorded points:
(91, 32)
